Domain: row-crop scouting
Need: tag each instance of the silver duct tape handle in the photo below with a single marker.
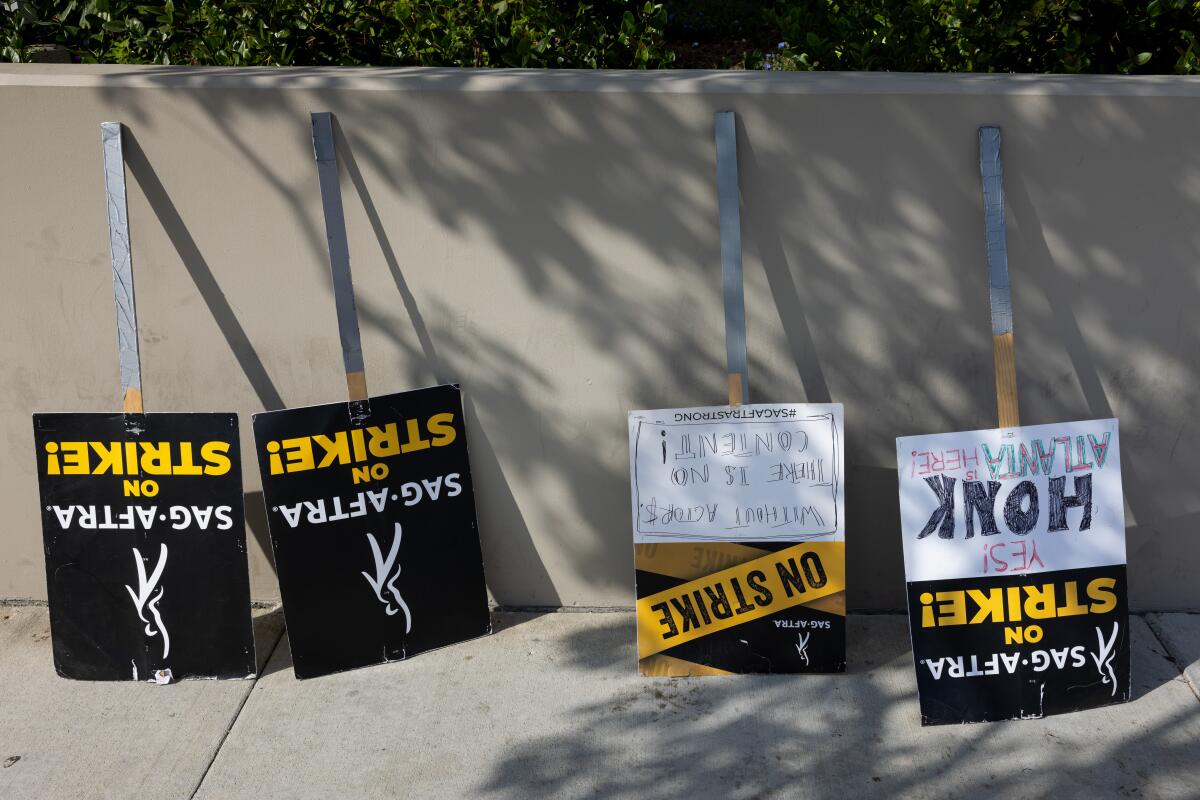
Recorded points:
(325, 153)
(122, 266)
(991, 169)
(725, 124)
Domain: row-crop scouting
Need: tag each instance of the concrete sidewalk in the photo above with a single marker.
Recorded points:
(552, 706)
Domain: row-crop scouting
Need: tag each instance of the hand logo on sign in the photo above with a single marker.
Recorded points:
(1104, 657)
(802, 647)
(145, 587)
(382, 568)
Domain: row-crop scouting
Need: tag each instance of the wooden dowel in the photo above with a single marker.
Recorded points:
(1006, 380)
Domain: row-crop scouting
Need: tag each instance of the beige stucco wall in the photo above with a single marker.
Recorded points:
(549, 240)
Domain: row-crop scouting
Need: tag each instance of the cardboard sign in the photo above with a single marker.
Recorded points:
(145, 546)
(739, 539)
(373, 525)
(1014, 553)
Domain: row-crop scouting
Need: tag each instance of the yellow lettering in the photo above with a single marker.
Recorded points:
(52, 458)
(952, 609)
(926, 610)
(187, 465)
(1100, 590)
(442, 429)
(360, 448)
(1071, 606)
(991, 605)
(337, 448)
(1039, 601)
(276, 461)
(384, 441)
(299, 454)
(74, 458)
(415, 442)
(216, 458)
(156, 458)
(110, 458)
(1014, 603)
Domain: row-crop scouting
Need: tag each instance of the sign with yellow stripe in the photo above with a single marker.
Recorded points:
(739, 594)
(739, 539)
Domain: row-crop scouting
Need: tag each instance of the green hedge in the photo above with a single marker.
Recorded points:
(518, 33)
(1061, 36)
(1105, 36)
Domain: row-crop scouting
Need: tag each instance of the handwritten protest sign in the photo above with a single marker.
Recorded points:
(1014, 553)
(739, 539)
(145, 546)
(373, 525)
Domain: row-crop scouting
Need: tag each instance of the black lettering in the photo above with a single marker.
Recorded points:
(703, 609)
(1059, 503)
(1018, 521)
(743, 606)
(814, 570)
(944, 513)
(758, 582)
(719, 602)
(790, 576)
(976, 502)
(686, 613)
(666, 619)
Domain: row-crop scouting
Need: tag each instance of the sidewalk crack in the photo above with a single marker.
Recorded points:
(236, 715)
(1152, 623)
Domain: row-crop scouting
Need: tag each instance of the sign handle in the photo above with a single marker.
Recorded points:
(991, 170)
(122, 268)
(339, 255)
(725, 124)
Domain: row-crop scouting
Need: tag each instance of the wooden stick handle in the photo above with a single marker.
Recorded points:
(735, 389)
(1006, 380)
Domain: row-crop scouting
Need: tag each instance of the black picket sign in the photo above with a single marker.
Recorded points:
(973, 667)
(372, 518)
(145, 545)
(1014, 551)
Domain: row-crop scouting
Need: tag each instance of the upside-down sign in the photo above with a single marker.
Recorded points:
(739, 539)
(145, 545)
(1014, 552)
(373, 526)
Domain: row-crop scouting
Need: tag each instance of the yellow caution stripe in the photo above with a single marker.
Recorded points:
(690, 560)
(664, 666)
(752, 590)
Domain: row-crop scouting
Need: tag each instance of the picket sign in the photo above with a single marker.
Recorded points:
(1014, 543)
(122, 267)
(371, 499)
(735, 496)
(991, 170)
(165, 489)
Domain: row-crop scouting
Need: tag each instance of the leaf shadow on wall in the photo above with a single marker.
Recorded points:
(218, 305)
(504, 535)
(872, 250)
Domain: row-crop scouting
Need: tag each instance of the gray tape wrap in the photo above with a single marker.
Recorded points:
(991, 169)
(122, 259)
(335, 233)
(731, 248)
